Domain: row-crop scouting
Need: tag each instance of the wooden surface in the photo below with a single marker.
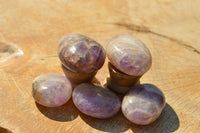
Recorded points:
(170, 29)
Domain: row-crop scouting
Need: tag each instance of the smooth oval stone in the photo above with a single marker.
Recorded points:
(143, 104)
(51, 90)
(96, 101)
(129, 55)
(81, 54)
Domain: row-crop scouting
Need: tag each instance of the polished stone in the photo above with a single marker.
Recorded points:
(51, 90)
(129, 55)
(81, 54)
(143, 104)
(96, 101)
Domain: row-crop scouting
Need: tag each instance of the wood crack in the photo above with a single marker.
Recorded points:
(144, 29)
(51, 56)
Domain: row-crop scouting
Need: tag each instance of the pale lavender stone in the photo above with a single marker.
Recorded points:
(129, 55)
(96, 101)
(81, 54)
(51, 90)
(143, 104)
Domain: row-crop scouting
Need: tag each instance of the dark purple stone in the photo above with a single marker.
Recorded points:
(96, 101)
(81, 54)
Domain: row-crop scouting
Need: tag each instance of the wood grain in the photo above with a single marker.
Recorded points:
(170, 29)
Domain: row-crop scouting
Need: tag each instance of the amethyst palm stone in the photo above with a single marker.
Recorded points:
(129, 55)
(143, 104)
(51, 90)
(95, 101)
(81, 54)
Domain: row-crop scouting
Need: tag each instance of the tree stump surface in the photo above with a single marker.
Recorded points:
(29, 34)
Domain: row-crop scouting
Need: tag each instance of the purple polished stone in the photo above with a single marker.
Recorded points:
(143, 104)
(81, 54)
(96, 101)
(129, 55)
(51, 90)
